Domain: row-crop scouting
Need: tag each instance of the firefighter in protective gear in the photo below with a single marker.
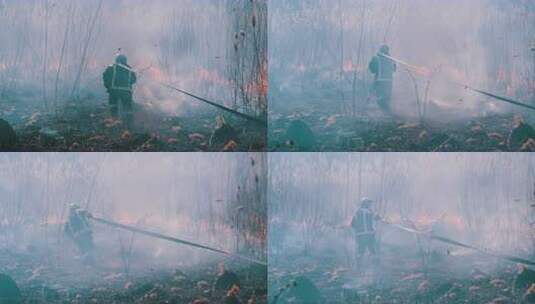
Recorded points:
(383, 69)
(119, 79)
(79, 230)
(363, 224)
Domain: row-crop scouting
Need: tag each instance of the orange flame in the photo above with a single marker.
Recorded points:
(349, 66)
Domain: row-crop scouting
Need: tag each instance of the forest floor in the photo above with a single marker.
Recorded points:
(39, 283)
(317, 127)
(397, 279)
(86, 126)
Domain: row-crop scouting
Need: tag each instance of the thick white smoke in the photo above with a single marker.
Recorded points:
(56, 50)
(317, 45)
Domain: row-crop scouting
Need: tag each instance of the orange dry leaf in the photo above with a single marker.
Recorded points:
(230, 146)
(496, 136)
(196, 137)
(409, 126)
(126, 135)
(423, 134)
(528, 146)
(172, 140)
(412, 276)
(477, 128)
(110, 122)
(424, 286)
(331, 120)
(234, 291)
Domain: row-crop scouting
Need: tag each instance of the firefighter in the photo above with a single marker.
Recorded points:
(383, 69)
(119, 79)
(79, 230)
(364, 224)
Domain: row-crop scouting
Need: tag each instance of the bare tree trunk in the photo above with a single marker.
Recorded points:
(45, 54)
(342, 56)
(86, 48)
(68, 24)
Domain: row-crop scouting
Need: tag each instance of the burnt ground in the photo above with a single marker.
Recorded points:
(87, 126)
(320, 127)
(400, 278)
(40, 282)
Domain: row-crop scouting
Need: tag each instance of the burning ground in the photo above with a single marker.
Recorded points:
(141, 228)
(401, 277)
(322, 95)
(317, 127)
(86, 126)
(450, 227)
(52, 93)
(42, 282)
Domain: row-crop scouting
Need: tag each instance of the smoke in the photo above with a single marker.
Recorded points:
(482, 199)
(56, 50)
(318, 46)
(189, 196)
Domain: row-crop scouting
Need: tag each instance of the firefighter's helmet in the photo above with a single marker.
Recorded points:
(121, 59)
(366, 202)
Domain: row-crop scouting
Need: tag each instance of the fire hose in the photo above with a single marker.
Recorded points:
(446, 240)
(172, 239)
(217, 105)
(482, 92)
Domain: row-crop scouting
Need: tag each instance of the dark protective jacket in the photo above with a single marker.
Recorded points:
(79, 230)
(363, 221)
(382, 67)
(118, 77)
(78, 227)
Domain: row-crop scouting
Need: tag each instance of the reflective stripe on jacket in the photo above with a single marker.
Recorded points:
(118, 77)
